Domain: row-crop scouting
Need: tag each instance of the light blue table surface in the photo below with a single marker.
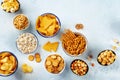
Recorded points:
(101, 20)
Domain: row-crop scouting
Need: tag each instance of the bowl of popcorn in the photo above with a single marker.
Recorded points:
(21, 22)
(79, 67)
(106, 57)
(10, 6)
(73, 43)
(8, 63)
(27, 43)
(54, 64)
(48, 25)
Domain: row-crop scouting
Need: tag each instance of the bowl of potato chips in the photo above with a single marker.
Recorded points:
(8, 63)
(48, 25)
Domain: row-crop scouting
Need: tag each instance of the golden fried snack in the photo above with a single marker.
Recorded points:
(79, 26)
(31, 57)
(47, 24)
(51, 46)
(54, 63)
(37, 57)
(26, 68)
(8, 63)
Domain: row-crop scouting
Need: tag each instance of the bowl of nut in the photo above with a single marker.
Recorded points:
(27, 43)
(8, 63)
(10, 6)
(106, 57)
(73, 43)
(21, 22)
(55, 64)
(48, 25)
(79, 67)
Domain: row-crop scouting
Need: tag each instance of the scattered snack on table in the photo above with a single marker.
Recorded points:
(51, 46)
(10, 6)
(79, 67)
(26, 68)
(92, 64)
(37, 57)
(8, 63)
(90, 57)
(31, 57)
(27, 43)
(79, 26)
(106, 57)
(73, 43)
(47, 24)
(114, 47)
(54, 63)
(21, 22)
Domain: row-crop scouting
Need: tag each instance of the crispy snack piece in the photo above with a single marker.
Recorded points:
(26, 68)
(37, 57)
(54, 63)
(31, 57)
(8, 63)
(47, 25)
(47, 46)
(79, 26)
(51, 46)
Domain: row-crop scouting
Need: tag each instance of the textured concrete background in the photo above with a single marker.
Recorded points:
(101, 19)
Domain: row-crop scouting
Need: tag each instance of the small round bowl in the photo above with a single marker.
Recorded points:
(59, 23)
(16, 66)
(107, 59)
(35, 39)
(75, 71)
(76, 33)
(10, 11)
(26, 27)
(52, 63)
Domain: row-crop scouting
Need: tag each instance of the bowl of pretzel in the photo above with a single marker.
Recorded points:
(73, 43)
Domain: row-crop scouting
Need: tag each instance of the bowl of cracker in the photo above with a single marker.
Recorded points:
(73, 43)
(106, 57)
(8, 63)
(48, 25)
(55, 64)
